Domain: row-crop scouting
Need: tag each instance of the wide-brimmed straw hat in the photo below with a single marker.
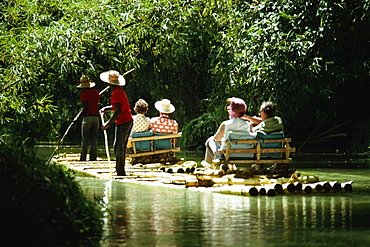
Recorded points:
(113, 77)
(85, 82)
(164, 106)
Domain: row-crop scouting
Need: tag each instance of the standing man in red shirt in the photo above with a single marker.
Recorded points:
(90, 119)
(122, 117)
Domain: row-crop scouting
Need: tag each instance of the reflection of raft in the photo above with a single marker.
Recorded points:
(188, 175)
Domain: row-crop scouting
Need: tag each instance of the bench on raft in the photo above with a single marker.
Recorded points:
(262, 148)
(149, 146)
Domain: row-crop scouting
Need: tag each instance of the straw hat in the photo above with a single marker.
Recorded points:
(164, 106)
(113, 77)
(85, 82)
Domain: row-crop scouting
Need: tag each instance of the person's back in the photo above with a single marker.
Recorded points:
(163, 124)
(141, 122)
(90, 120)
(270, 123)
(237, 125)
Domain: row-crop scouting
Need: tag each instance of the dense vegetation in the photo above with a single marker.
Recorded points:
(310, 57)
(44, 206)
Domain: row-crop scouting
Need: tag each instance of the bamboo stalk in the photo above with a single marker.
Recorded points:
(347, 186)
(270, 189)
(307, 188)
(290, 187)
(335, 186)
(298, 187)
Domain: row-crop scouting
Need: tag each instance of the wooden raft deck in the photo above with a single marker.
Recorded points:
(188, 176)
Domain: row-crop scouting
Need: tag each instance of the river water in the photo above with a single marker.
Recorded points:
(144, 215)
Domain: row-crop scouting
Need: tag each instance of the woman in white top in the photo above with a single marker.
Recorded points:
(236, 109)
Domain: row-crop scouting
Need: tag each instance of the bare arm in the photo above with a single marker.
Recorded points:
(105, 109)
(220, 133)
(253, 120)
(116, 114)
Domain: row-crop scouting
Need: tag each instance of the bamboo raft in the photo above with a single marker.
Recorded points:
(187, 175)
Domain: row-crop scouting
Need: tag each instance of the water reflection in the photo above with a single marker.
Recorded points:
(158, 216)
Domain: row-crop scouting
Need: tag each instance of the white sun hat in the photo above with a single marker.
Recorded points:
(164, 106)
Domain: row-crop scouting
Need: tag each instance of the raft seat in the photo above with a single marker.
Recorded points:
(236, 143)
(158, 143)
(270, 144)
(262, 149)
(142, 145)
(162, 143)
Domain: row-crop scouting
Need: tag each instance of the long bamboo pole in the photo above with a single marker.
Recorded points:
(106, 146)
(65, 134)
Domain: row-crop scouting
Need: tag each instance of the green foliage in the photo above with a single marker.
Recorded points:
(307, 56)
(197, 129)
(360, 137)
(42, 205)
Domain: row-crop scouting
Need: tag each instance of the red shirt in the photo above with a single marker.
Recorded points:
(119, 96)
(92, 97)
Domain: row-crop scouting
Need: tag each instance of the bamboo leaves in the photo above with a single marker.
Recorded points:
(288, 51)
